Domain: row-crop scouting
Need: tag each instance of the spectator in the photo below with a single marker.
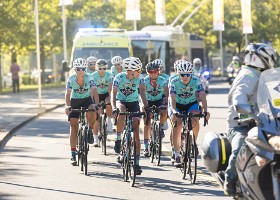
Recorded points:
(15, 77)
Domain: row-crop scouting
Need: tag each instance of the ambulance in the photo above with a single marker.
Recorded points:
(101, 43)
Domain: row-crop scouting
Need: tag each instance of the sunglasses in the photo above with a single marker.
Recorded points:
(153, 71)
(91, 64)
(185, 75)
(81, 69)
(101, 68)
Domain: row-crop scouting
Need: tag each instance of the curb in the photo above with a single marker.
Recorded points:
(10, 133)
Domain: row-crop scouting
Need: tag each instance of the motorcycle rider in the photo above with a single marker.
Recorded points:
(197, 70)
(258, 57)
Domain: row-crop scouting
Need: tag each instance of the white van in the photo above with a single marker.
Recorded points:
(101, 43)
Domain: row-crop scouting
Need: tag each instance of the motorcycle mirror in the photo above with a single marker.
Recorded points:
(243, 108)
(65, 67)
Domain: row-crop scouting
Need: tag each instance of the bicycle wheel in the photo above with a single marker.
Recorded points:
(153, 141)
(124, 156)
(158, 143)
(82, 151)
(100, 129)
(192, 155)
(104, 134)
(79, 146)
(132, 161)
(85, 160)
(184, 154)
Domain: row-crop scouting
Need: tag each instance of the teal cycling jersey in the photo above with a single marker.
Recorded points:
(165, 76)
(114, 71)
(127, 89)
(171, 77)
(102, 82)
(156, 92)
(185, 94)
(80, 92)
(88, 71)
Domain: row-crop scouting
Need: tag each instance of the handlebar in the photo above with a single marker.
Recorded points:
(192, 115)
(132, 114)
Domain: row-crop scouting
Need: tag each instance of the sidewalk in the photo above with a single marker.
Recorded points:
(20, 108)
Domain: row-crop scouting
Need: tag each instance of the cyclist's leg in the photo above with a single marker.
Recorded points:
(91, 117)
(74, 125)
(109, 114)
(147, 133)
(177, 140)
(171, 132)
(194, 108)
(120, 125)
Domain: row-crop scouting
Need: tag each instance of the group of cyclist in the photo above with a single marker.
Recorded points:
(122, 88)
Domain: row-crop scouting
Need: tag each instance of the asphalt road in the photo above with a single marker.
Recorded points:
(35, 164)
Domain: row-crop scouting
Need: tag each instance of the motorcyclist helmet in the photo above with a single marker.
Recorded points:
(197, 63)
(132, 63)
(91, 59)
(152, 66)
(260, 55)
(116, 60)
(184, 67)
(80, 62)
(101, 62)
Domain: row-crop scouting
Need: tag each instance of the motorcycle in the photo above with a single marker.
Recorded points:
(204, 77)
(258, 161)
(232, 74)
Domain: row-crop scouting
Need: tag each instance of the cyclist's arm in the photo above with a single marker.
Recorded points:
(110, 89)
(173, 102)
(94, 95)
(67, 97)
(166, 92)
(202, 97)
(142, 90)
(113, 96)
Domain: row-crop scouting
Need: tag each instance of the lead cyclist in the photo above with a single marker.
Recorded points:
(125, 94)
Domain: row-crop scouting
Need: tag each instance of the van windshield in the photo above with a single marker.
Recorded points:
(148, 50)
(100, 53)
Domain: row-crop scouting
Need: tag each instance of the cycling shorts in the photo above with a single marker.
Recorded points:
(187, 108)
(130, 106)
(78, 103)
(102, 97)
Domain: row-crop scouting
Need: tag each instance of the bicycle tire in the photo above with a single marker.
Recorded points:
(153, 143)
(127, 157)
(158, 143)
(85, 151)
(100, 135)
(123, 157)
(132, 161)
(192, 169)
(104, 134)
(184, 154)
(78, 146)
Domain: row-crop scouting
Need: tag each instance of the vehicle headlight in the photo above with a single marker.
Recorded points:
(274, 142)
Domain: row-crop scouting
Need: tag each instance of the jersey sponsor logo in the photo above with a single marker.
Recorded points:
(81, 90)
(185, 95)
(153, 92)
(127, 91)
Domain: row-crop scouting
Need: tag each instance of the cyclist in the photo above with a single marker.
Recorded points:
(182, 98)
(156, 88)
(161, 65)
(80, 90)
(104, 82)
(125, 93)
(91, 64)
(117, 65)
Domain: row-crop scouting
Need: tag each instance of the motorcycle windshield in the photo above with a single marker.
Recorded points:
(269, 91)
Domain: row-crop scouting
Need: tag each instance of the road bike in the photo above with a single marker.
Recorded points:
(83, 135)
(156, 134)
(103, 127)
(128, 148)
(188, 149)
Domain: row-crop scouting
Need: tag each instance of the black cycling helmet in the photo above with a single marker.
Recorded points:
(152, 66)
(101, 62)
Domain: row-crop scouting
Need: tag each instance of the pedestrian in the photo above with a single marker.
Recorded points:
(15, 77)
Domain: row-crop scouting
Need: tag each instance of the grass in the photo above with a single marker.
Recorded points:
(33, 87)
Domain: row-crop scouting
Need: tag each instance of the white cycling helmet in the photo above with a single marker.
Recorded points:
(196, 61)
(80, 62)
(184, 67)
(159, 62)
(132, 63)
(260, 55)
(177, 63)
(91, 59)
(235, 58)
(116, 60)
